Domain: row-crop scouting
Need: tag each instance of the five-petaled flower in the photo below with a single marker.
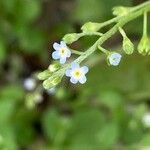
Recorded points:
(61, 52)
(114, 58)
(77, 73)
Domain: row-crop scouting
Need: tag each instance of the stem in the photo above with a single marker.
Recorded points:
(122, 32)
(103, 50)
(145, 24)
(116, 19)
(121, 22)
(111, 32)
(91, 34)
(76, 52)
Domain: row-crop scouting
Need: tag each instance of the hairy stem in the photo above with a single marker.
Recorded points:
(121, 21)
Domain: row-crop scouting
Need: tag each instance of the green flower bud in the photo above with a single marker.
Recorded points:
(70, 38)
(91, 27)
(121, 11)
(32, 99)
(128, 46)
(54, 67)
(44, 75)
(52, 82)
(144, 46)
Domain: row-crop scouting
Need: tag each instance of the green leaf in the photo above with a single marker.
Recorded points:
(86, 124)
(7, 109)
(12, 92)
(108, 136)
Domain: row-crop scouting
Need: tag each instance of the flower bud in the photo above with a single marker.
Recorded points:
(91, 27)
(52, 82)
(114, 58)
(44, 75)
(54, 67)
(70, 38)
(128, 46)
(121, 11)
(144, 46)
(32, 99)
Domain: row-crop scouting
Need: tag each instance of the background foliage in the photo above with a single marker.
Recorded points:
(104, 114)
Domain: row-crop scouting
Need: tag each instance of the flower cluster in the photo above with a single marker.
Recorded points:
(75, 72)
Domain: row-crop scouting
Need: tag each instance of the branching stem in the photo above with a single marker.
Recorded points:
(121, 21)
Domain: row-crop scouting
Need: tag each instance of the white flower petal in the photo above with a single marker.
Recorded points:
(114, 59)
(62, 60)
(74, 65)
(68, 73)
(56, 46)
(73, 80)
(84, 69)
(55, 55)
(82, 80)
(63, 44)
(68, 53)
(29, 84)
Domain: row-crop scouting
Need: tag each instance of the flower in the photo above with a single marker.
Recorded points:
(61, 52)
(114, 58)
(29, 84)
(51, 91)
(146, 119)
(77, 73)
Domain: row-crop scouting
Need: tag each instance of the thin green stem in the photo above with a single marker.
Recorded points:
(116, 19)
(76, 52)
(91, 34)
(103, 50)
(122, 32)
(145, 24)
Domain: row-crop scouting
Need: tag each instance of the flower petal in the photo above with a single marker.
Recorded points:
(63, 44)
(68, 53)
(73, 80)
(56, 46)
(55, 55)
(84, 69)
(62, 60)
(74, 65)
(115, 59)
(82, 80)
(68, 73)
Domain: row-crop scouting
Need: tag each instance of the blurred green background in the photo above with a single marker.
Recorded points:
(109, 112)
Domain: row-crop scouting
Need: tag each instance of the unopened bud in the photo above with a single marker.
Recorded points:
(51, 82)
(121, 11)
(91, 27)
(70, 38)
(128, 46)
(44, 75)
(54, 67)
(144, 46)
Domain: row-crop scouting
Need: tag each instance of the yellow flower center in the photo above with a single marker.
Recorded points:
(62, 51)
(77, 73)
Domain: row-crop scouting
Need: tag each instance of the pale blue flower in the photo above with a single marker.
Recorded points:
(61, 52)
(29, 84)
(77, 73)
(114, 59)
